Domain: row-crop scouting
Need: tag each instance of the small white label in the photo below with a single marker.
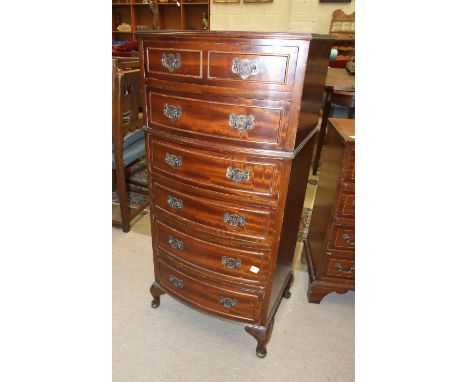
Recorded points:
(254, 269)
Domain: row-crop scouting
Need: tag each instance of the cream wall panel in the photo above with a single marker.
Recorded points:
(278, 16)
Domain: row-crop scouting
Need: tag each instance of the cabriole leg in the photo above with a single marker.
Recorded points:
(262, 335)
(156, 293)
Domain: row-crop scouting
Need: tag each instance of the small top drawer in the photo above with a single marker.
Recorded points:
(234, 64)
(249, 64)
(178, 63)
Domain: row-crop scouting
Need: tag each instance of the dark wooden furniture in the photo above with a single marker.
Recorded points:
(170, 14)
(229, 150)
(127, 136)
(339, 90)
(329, 246)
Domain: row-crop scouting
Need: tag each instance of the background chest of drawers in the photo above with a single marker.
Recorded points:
(330, 243)
(229, 144)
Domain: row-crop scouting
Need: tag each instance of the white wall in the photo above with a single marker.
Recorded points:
(278, 16)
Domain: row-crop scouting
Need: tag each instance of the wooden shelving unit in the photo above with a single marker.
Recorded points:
(187, 15)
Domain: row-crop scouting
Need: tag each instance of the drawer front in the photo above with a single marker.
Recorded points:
(234, 64)
(341, 238)
(221, 172)
(254, 64)
(210, 256)
(172, 62)
(349, 167)
(346, 205)
(239, 120)
(215, 216)
(221, 300)
(340, 268)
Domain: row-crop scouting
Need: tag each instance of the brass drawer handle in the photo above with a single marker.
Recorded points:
(171, 61)
(227, 302)
(174, 243)
(342, 269)
(234, 220)
(241, 122)
(230, 262)
(237, 175)
(176, 282)
(174, 202)
(348, 239)
(245, 67)
(172, 112)
(173, 160)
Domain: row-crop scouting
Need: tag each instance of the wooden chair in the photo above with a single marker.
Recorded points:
(127, 136)
(334, 99)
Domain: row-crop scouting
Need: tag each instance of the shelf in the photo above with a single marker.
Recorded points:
(187, 15)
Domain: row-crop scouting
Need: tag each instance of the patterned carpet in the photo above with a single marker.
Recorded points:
(135, 199)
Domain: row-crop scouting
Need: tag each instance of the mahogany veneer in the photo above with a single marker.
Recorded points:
(229, 144)
(330, 243)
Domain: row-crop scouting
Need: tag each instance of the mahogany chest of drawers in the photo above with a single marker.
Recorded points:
(232, 117)
(330, 243)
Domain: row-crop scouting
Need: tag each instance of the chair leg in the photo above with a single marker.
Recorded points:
(323, 128)
(123, 196)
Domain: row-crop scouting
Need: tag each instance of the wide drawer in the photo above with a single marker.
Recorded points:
(345, 206)
(221, 300)
(335, 267)
(233, 174)
(215, 216)
(268, 66)
(341, 238)
(211, 256)
(240, 121)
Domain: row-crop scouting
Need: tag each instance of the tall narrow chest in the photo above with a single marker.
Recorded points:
(232, 119)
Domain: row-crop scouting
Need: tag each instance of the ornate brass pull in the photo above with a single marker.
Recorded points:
(230, 262)
(227, 302)
(174, 202)
(241, 122)
(171, 61)
(174, 243)
(245, 67)
(348, 239)
(173, 160)
(176, 282)
(237, 175)
(234, 220)
(172, 112)
(343, 270)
